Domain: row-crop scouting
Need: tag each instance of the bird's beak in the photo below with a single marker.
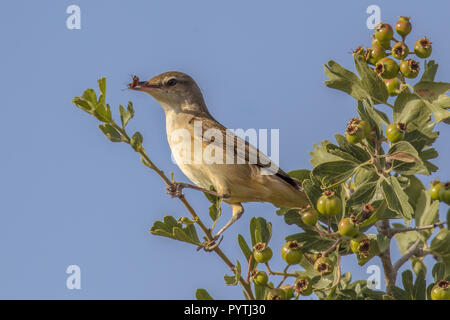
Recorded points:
(142, 85)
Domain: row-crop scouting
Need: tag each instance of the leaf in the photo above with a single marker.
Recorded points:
(320, 154)
(310, 241)
(83, 104)
(90, 96)
(405, 239)
(171, 228)
(414, 189)
(125, 116)
(439, 108)
(411, 110)
(363, 194)
(260, 292)
(136, 141)
(202, 294)
(234, 279)
(370, 80)
(396, 198)
(440, 245)
(358, 153)
(300, 175)
(330, 174)
(102, 87)
(110, 132)
(363, 175)
(438, 271)
(399, 294)
(430, 90)
(426, 213)
(430, 71)
(103, 113)
(420, 287)
(407, 279)
(263, 230)
(405, 159)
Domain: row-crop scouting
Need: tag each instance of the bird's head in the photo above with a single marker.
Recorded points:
(172, 90)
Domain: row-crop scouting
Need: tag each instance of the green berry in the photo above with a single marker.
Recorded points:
(383, 32)
(441, 290)
(323, 266)
(291, 252)
(329, 204)
(403, 26)
(288, 290)
(393, 86)
(409, 68)
(395, 132)
(385, 44)
(354, 134)
(387, 68)
(303, 285)
(262, 253)
(435, 188)
(309, 216)
(422, 48)
(400, 50)
(276, 294)
(444, 193)
(360, 51)
(360, 245)
(355, 241)
(365, 126)
(260, 278)
(373, 55)
(347, 227)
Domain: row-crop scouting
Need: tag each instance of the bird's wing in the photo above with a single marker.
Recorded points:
(242, 151)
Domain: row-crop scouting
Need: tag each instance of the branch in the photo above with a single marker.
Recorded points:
(431, 226)
(335, 244)
(414, 249)
(390, 275)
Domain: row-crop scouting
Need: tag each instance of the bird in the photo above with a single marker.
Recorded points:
(250, 176)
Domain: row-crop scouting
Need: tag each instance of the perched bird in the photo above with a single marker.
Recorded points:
(250, 176)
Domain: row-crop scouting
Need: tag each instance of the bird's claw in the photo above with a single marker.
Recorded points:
(209, 246)
(175, 190)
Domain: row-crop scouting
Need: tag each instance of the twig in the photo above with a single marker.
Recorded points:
(414, 249)
(274, 273)
(431, 226)
(335, 244)
(389, 274)
(285, 276)
(249, 268)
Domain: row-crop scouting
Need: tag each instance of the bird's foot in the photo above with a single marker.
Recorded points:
(175, 189)
(209, 246)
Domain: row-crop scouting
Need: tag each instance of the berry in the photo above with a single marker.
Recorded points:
(409, 68)
(400, 50)
(385, 44)
(422, 48)
(329, 204)
(393, 86)
(291, 252)
(355, 242)
(323, 266)
(303, 285)
(435, 188)
(262, 253)
(395, 132)
(373, 55)
(354, 134)
(276, 294)
(441, 290)
(260, 278)
(387, 68)
(444, 193)
(403, 26)
(309, 216)
(288, 290)
(383, 32)
(365, 126)
(360, 51)
(347, 227)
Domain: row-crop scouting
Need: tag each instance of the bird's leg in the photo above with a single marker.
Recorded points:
(176, 187)
(238, 211)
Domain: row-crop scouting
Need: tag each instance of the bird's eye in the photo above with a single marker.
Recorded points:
(172, 82)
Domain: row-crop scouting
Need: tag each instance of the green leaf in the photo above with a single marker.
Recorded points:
(358, 153)
(263, 230)
(260, 292)
(171, 228)
(414, 190)
(363, 175)
(440, 245)
(202, 294)
(83, 104)
(136, 141)
(320, 154)
(407, 279)
(440, 107)
(110, 132)
(430, 90)
(430, 71)
(310, 241)
(420, 287)
(363, 194)
(246, 250)
(312, 191)
(125, 116)
(234, 279)
(300, 175)
(90, 96)
(411, 110)
(330, 174)
(399, 294)
(370, 81)
(426, 213)
(103, 113)
(438, 271)
(396, 198)
(405, 158)
(102, 88)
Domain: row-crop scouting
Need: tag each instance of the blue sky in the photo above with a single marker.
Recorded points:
(69, 196)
